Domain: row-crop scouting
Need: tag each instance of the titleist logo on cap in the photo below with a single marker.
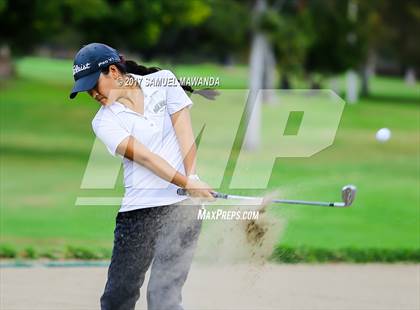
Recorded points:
(78, 68)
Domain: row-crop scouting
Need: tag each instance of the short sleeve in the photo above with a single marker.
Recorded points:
(109, 131)
(176, 98)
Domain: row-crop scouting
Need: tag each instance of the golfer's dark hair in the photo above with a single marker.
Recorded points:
(130, 66)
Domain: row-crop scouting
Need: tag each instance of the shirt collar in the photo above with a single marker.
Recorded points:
(117, 107)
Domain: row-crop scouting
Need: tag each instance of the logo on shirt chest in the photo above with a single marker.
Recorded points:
(159, 107)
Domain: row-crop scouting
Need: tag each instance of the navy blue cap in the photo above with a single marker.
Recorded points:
(88, 63)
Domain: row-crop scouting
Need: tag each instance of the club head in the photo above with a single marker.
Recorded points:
(348, 193)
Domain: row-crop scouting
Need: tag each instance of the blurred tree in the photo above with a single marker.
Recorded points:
(376, 33)
(226, 30)
(276, 25)
(288, 25)
(136, 25)
(402, 23)
(384, 25)
(26, 23)
(221, 36)
(140, 25)
(38, 22)
(337, 45)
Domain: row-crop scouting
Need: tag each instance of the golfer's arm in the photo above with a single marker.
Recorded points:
(181, 121)
(135, 151)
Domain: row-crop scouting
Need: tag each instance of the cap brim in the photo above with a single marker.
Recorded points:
(85, 83)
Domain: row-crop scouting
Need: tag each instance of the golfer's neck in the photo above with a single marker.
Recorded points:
(133, 99)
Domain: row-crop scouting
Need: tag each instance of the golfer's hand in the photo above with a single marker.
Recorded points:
(199, 189)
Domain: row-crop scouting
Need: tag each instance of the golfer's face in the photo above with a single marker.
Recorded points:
(102, 89)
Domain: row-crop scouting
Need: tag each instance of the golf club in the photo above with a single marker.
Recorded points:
(348, 194)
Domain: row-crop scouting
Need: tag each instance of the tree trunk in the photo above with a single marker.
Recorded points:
(352, 93)
(334, 85)
(253, 105)
(269, 75)
(410, 76)
(285, 81)
(367, 71)
(253, 108)
(364, 77)
(6, 64)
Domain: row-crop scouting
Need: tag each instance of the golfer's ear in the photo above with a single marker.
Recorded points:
(114, 71)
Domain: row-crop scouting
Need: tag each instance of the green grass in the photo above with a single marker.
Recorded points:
(46, 141)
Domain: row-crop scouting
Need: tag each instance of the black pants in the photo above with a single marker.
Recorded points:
(163, 236)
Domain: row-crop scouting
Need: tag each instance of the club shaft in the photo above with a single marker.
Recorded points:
(309, 203)
(284, 201)
(289, 201)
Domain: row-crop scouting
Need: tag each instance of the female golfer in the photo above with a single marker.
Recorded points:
(144, 119)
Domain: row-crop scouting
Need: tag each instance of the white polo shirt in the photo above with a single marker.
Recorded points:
(163, 96)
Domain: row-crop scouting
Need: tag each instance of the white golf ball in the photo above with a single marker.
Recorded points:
(383, 135)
